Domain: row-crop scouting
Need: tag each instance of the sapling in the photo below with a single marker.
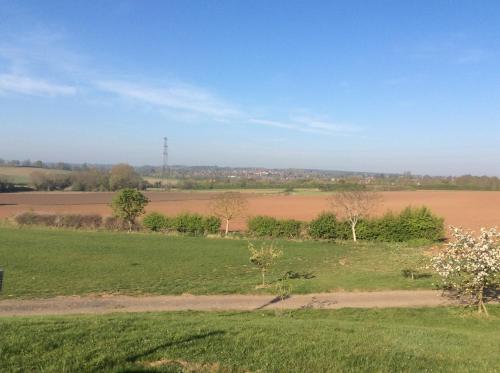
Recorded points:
(264, 257)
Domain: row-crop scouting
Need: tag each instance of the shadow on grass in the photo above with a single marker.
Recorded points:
(292, 275)
(415, 274)
(191, 338)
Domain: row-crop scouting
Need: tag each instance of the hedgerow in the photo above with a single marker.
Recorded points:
(408, 225)
(266, 226)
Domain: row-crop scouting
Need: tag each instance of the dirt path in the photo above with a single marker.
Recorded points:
(123, 303)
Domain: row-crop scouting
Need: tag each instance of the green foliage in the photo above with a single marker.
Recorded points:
(261, 226)
(323, 227)
(191, 224)
(266, 226)
(421, 223)
(264, 257)
(411, 224)
(155, 222)
(211, 224)
(128, 205)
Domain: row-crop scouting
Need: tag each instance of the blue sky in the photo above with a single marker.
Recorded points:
(384, 86)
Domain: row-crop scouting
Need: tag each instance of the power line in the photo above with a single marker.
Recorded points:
(164, 168)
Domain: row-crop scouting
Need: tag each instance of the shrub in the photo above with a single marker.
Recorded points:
(411, 224)
(25, 218)
(266, 226)
(367, 229)
(112, 223)
(156, 222)
(189, 223)
(211, 224)
(323, 227)
(287, 229)
(262, 226)
(343, 230)
(79, 221)
(421, 223)
(76, 221)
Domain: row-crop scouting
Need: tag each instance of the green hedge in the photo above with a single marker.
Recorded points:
(191, 224)
(410, 224)
(212, 224)
(266, 226)
(323, 227)
(156, 222)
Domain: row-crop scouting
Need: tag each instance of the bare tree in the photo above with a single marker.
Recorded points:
(354, 205)
(228, 205)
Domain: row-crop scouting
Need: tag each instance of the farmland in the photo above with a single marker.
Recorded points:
(21, 175)
(470, 209)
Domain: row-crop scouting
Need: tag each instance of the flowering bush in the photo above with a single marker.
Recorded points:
(471, 265)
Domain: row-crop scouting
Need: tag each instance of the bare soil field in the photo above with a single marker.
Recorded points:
(469, 209)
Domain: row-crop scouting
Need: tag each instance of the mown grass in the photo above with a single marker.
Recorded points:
(348, 340)
(45, 262)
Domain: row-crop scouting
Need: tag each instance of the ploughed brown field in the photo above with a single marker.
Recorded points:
(469, 209)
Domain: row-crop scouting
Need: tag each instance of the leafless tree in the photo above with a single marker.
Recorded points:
(228, 205)
(354, 205)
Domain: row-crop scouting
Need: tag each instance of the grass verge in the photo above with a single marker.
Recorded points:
(348, 340)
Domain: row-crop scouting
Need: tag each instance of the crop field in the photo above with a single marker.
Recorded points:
(21, 175)
(45, 263)
(470, 209)
(376, 340)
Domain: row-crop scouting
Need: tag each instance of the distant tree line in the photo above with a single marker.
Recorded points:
(118, 177)
(466, 182)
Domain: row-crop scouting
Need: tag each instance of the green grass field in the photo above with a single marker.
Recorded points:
(44, 263)
(348, 340)
(21, 175)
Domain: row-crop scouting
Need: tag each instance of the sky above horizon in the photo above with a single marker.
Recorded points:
(379, 86)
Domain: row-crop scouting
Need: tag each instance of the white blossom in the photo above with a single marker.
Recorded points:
(470, 264)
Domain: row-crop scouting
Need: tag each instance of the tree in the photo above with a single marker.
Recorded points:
(128, 205)
(90, 179)
(471, 265)
(228, 205)
(124, 176)
(49, 181)
(354, 205)
(264, 257)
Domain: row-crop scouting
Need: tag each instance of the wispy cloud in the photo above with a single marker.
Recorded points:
(310, 125)
(11, 83)
(45, 53)
(178, 97)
